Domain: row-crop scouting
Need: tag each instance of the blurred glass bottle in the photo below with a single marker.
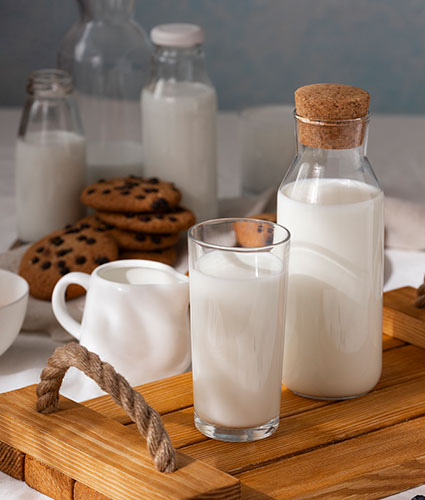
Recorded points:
(50, 163)
(179, 107)
(108, 55)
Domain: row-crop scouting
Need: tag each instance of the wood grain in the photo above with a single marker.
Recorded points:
(401, 319)
(322, 426)
(12, 461)
(103, 454)
(83, 492)
(300, 476)
(164, 395)
(48, 480)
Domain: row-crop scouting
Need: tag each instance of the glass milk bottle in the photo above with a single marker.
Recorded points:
(50, 163)
(331, 202)
(179, 117)
(108, 54)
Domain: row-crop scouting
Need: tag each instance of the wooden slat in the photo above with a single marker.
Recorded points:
(48, 480)
(330, 423)
(12, 461)
(299, 476)
(401, 319)
(83, 492)
(164, 395)
(173, 393)
(103, 454)
(399, 365)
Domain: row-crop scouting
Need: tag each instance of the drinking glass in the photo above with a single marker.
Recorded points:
(238, 279)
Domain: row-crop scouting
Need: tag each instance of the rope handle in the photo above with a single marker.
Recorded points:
(420, 298)
(146, 418)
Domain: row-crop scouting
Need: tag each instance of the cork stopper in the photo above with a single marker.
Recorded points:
(331, 115)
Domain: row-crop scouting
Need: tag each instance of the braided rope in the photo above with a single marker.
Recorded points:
(146, 418)
(420, 298)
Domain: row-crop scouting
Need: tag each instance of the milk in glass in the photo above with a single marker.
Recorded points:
(50, 169)
(333, 345)
(179, 138)
(237, 322)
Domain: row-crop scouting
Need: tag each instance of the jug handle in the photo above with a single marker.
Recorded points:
(59, 305)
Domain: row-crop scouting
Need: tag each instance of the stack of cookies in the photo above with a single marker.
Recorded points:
(142, 215)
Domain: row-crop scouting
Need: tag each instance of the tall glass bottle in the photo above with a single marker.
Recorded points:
(108, 55)
(50, 163)
(179, 117)
(331, 202)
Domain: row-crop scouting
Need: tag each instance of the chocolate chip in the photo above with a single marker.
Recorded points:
(260, 228)
(39, 249)
(129, 215)
(153, 180)
(109, 226)
(64, 270)
(172, 219)
(140, 236)
(46, 265)
(159, 216)
(80, 259)
(57, 240)
(106, 191)
(270, 230)
(90, 241)
(140, 197)
(131, 176)
(100, 229)
(156, 238)
(35, 260)
(145, 218)
(85, 226)
(269, 240)
(72, 230)
(63, 252)
(61, 263)
(91, 191)
(160, 204)
(81, 237)
(125, 192)
(68, 226)
(101, 260)
(150, 190)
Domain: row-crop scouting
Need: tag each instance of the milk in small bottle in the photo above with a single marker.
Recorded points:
(332, 204)
(50, 163)
(179, 117)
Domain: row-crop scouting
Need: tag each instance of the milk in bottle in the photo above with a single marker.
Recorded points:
(332, 204)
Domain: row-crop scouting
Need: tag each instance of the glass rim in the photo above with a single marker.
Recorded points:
(330, 123)
(228, 220)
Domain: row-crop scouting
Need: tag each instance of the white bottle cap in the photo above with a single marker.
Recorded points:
(177, 35)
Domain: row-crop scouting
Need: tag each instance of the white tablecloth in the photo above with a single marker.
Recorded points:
(22, 363)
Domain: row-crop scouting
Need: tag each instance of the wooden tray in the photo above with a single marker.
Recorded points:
(368, 447)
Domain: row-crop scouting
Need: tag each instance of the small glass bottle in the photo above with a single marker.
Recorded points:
(331, 202)
(108, 54)
(179, 117)
(50, 163)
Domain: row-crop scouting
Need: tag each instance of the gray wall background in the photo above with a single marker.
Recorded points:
(258, 51)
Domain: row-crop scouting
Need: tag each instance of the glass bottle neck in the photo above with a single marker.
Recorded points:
(180, 64)
(49, 83)
(106, 10)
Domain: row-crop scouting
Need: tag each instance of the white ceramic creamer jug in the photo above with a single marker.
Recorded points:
(135, 317)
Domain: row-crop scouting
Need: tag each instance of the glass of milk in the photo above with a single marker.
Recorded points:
(237, 304)
(50, 157)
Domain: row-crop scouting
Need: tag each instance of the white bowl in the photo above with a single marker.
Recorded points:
(13, 305)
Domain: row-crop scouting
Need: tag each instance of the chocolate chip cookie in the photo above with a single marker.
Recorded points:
(254, 234)
(166, 256)
(74, 248)
(179, 219)
(134, 194)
